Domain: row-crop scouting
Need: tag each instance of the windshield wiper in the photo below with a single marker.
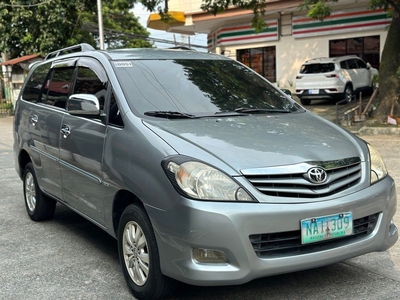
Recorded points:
(229, 113)
(261, 110)
(169, 114)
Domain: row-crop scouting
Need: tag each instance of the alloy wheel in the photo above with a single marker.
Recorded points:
(136, 254)
(30, 191)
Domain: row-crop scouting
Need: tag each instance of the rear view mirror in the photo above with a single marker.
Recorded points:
(83, 105)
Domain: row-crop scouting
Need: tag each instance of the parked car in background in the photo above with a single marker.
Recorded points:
(203, 171)
(333, 78)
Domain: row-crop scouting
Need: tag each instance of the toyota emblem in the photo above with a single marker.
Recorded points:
(317, 175)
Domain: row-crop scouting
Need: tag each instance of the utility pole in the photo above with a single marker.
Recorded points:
(101, 31)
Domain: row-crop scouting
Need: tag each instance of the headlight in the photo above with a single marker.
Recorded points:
(200, 181)
(378, 168)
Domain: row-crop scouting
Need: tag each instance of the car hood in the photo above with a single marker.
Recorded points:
(258, 141)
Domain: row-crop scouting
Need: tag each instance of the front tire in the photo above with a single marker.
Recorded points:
(39, 206)
(139, 257)
(348, 93)
(305, 101)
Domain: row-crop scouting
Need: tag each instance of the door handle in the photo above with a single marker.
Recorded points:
(34, 119)
(65, 131)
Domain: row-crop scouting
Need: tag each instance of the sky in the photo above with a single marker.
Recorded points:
(142, 14)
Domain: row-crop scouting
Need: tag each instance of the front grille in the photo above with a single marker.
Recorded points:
(281, 244)
(296, 185)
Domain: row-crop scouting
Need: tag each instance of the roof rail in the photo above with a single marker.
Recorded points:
(76, 48)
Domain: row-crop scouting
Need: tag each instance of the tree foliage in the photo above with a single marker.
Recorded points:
(41, 26)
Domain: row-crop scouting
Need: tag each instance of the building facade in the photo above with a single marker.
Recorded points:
(12, 76)
(291, 38)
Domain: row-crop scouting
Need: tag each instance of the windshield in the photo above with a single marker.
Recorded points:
(196, 87)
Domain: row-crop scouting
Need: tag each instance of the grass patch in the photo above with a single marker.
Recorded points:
(6, 107)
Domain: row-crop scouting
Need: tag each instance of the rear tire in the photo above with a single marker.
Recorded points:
(39, 206)
(305, 101)
(139, 257)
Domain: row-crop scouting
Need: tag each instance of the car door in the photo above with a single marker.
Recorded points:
(45, 123)
(81, 146)
(363, 74)
(352, 70)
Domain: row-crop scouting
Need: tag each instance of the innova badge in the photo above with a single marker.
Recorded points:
(317, 175)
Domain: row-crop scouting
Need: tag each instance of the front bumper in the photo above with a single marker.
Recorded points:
(227, 227)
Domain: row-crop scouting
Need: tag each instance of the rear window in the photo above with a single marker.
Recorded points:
(317, 68)
(34, 84)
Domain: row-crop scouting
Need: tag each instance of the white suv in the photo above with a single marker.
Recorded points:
(333, 78)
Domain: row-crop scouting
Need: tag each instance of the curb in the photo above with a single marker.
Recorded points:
(366, 130)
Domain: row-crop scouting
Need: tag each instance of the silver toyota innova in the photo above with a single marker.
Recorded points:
(202, 170)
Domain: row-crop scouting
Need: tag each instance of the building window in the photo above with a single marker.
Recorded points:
(261, 60)
(366, 48)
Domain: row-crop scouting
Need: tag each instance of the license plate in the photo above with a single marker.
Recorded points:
(313, 91)
(326, 227)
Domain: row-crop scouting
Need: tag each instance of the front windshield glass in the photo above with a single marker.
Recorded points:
(197, 87)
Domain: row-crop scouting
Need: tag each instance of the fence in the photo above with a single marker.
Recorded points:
(6, 105)
(349, 112)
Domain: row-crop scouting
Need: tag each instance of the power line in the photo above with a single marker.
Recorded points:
(94, 29)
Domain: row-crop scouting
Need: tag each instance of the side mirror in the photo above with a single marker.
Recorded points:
(83, 105)
(368, 66)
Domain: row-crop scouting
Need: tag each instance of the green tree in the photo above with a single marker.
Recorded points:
(389, 70)
(121, 28)
(33, 28)
(44, 26)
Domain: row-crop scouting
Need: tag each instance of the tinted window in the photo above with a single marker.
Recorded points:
(59, 87)
(261, 60)
(366, 48)
(197, 87)
(317, 68)
(343, 64)
(352, 64)
(35, 83)
(114, 115)
(361, 64)
(87, 82)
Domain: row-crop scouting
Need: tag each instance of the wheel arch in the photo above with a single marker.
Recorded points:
(23, 160)
(348, 83)
(122, 199)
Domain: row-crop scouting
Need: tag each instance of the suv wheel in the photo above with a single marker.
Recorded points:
(138, 253)
(305, 101)
(39, 206)
(348, 93)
